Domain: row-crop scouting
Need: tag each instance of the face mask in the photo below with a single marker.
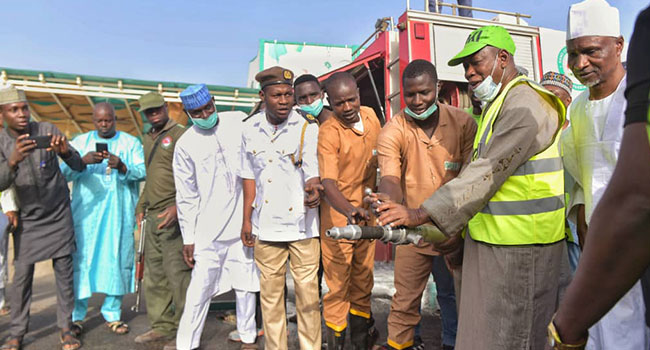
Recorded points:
(314, 108)
(207, 123)
(487, 90)
(426, 114)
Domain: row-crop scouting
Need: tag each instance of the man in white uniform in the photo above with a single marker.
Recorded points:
(281, 195)
(591, 145)
(209, 202)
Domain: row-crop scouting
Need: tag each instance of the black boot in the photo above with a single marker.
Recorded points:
(363, 334)
(335, 340)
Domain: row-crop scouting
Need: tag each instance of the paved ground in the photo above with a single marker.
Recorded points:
(44, 334)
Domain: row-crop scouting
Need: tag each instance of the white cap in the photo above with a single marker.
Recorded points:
(593, 18)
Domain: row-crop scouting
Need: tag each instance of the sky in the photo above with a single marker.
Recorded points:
(201, 41)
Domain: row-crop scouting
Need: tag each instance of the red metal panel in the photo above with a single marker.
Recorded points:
(539, 57)
(420, 41)
(404, 53)
(387, 77)
(418, 31)
(353, 64)
(414, 43)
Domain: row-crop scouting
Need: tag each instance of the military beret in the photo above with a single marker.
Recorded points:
(274, 75)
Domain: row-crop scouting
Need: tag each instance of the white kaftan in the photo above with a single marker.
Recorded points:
(591, 145)
(210, 211)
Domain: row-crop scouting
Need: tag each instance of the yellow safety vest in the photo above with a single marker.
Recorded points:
(529, 206)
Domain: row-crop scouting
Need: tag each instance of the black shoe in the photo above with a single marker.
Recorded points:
(447, 347)
(418, 343)
(363, 334)
(335, 340)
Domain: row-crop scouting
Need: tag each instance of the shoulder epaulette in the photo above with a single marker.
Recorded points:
(308, 117)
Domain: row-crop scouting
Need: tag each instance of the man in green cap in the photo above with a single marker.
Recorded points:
(506, 204)
(166, 276)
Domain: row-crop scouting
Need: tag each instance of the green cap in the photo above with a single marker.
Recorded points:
(151, 100)
(495, 36)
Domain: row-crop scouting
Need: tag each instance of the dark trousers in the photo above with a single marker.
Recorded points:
(20, 294)
(166, 276)
(412, 269)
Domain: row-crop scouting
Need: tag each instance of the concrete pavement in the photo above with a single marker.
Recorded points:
(43, 333)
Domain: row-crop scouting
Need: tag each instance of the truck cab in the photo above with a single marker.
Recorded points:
(436, 37)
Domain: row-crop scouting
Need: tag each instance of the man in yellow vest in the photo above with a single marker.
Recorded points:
(511, 199)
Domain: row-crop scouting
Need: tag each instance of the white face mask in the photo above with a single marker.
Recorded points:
(487, 90)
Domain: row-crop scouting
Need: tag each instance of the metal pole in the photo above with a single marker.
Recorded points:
(374, 87)
(366, 41)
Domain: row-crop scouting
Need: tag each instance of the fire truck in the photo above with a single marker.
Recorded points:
(436, 37)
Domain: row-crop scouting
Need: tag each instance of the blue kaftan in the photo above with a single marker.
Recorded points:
(103, 209)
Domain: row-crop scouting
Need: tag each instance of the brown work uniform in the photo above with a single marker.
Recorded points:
(347, 156)
(422, 164)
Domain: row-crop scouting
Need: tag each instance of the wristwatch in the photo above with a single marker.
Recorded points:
(556, 343)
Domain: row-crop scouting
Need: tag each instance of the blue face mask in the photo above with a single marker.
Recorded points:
(426, 114)
(314, 108)
(207, 123)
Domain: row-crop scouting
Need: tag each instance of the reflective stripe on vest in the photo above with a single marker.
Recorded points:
(529, 206)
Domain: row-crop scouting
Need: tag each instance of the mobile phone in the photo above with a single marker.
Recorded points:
(101, 147)
(41, 141)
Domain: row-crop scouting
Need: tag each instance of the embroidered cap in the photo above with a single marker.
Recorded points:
(195, 96)
(557, 79)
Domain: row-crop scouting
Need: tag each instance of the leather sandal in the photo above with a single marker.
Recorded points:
(7, 346)
(73, 343)
(77, 328)
(118, 327)
(5, 311)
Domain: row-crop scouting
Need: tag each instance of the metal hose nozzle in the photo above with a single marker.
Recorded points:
(346, 232)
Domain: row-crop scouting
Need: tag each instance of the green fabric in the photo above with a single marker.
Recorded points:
(150, 100)
(166, 276)
(476, 117)
(161, 193)
(522, 223)
(147, 83)
(495, 36)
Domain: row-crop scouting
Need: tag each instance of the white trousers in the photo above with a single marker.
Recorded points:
(212, 276)
(623, 327)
